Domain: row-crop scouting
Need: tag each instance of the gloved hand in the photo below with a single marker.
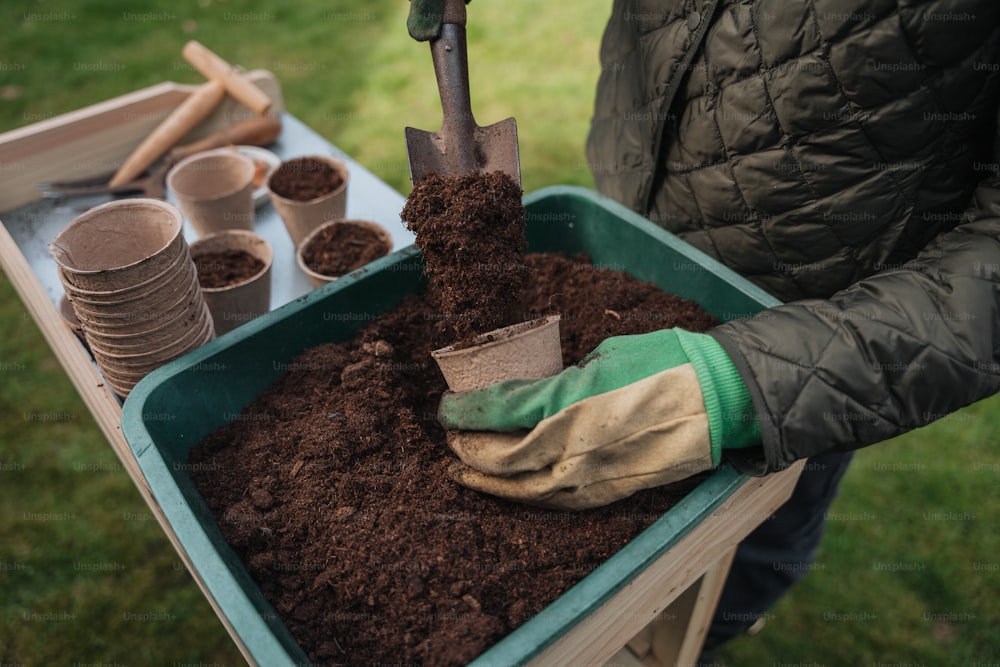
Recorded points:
(638, 412)
(424, 21)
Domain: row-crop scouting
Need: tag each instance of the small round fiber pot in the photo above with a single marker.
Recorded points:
(124, 358)
(123, 373)
(71, 320)
(149, 314)
(234, 270)
(215, 189)
(524, 350)
(340, 246)
(307, 191)
(155, 341)
(119, 245)
(173, 276)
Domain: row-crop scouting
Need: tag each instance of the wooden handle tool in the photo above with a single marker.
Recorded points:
(180, 121)
(254, 132)
(215, 68)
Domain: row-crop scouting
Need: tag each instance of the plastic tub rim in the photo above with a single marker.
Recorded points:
(570, 608)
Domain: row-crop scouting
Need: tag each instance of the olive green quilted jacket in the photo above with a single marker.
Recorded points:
(842, 154)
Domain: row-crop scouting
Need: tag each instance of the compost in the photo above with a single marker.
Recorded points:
(470, 230)
(305, 178)
(228, 267)
(332, 486)
(338, 249)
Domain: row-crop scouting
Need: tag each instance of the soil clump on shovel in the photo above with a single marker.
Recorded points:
(471, 230)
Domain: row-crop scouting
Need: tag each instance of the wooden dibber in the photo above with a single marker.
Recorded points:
(223, 78)
(215, 68)
(181, 120)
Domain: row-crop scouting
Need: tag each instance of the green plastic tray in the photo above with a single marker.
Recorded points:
(176, 406)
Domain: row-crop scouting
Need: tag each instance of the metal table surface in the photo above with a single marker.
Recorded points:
(368, 198)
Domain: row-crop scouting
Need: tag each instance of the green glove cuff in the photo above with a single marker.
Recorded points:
(732, 420)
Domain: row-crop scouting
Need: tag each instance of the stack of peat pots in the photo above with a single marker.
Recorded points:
(128, 273)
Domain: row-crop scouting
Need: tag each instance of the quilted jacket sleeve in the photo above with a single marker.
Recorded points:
(892, 352)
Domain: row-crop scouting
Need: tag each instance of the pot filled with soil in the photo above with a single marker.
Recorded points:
(337, 247)
(215, 190)
(308, 191)
(234, 272)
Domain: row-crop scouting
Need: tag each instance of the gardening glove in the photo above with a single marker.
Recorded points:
(425, 19)
(637, 412)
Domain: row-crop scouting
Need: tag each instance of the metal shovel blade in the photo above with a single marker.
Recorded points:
(460, 147)
(493, 148)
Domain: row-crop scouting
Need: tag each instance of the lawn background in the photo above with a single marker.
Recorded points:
(909, 572)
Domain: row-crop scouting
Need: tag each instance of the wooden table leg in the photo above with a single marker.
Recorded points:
(689, 592)
(680, 632)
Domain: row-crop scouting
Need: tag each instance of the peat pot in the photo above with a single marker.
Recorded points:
(524, 350)
(340, 246)
(234, 296)
(307, 191)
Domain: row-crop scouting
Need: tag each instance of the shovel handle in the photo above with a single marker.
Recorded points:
(454, 12)
(451, 69)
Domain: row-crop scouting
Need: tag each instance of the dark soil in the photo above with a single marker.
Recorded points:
(231, 267)
(341, 248)
(305, 178)
(471, 232)
(332, 486)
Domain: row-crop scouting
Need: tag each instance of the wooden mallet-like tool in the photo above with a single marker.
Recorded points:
(223, 78)
(215, 68)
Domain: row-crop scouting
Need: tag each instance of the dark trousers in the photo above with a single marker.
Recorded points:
(778, 553)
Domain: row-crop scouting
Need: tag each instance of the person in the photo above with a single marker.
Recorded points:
(842, 155)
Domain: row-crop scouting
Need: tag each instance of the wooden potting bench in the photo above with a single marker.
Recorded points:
(662, 614)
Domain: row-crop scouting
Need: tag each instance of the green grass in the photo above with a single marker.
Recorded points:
(85, 571)
(909, 570)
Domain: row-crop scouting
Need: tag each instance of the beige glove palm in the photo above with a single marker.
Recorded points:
(598, 450)
(639, 412)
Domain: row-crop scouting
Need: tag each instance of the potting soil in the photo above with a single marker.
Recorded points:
(332, 486)
(304, 178)
(470, 230)
(228, 267)
(339, 249)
